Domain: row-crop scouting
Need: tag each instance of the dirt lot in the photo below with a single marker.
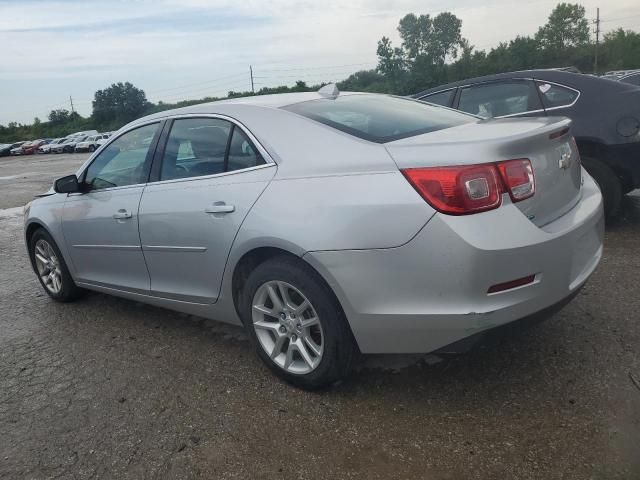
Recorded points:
(108, 388)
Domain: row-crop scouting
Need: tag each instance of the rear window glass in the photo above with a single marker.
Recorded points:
(379, 118)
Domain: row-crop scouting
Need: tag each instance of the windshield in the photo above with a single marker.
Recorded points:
(379, 118)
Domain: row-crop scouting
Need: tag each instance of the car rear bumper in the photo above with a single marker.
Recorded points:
(432, 291)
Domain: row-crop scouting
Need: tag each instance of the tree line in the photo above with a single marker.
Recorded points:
(432, 52)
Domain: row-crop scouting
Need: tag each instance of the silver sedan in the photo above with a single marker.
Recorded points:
(327, 223)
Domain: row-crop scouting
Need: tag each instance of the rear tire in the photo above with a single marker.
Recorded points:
(330, 348)
(610, 185)
(53, 273)
(92, 148)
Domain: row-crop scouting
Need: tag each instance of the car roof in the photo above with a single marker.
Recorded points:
(276, 100)
(576, 80)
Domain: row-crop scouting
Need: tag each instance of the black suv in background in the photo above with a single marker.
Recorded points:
(605, 114)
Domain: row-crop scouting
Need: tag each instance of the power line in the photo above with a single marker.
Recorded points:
(619, 18)
(597, 32)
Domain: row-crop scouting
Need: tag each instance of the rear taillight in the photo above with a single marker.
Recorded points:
(518, 178)
(467, 189)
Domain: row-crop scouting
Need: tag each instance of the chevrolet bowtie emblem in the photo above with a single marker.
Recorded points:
(565, 161)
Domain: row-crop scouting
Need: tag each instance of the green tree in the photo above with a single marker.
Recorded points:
(566, 27)
(118, 104)
(435, 38)
(59, 116)
(621, 50)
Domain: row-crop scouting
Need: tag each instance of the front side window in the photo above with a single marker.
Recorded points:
(440, 98)
(379, 118)
(123, 162)
(556, 96)
(498, 99)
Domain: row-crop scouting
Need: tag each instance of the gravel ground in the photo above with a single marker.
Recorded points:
(109, 388)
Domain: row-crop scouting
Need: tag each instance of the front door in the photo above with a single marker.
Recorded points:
(210, 176)
(101, 226)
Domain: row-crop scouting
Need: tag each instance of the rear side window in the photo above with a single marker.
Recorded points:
(498, 99)
(206, 146)
(379, 118)
(195, 147)
(440, 98)
(242, 153)
(556, 96)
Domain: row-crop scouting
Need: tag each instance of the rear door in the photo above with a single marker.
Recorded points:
(499, 99)
(208, 176)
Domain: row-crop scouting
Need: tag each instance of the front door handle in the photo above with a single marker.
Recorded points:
(220, 207)
(122, 214)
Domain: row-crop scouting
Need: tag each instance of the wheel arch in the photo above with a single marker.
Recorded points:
(598, 150)
(258, 255)
(29, 231)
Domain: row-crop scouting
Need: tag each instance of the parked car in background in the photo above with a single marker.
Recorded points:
(438, 226)
(68, 146)
(105, 137)
(626, 76)
(85, 133)
(5, 149)
(46, 148)
(605, 114)
(90, 144)
(32, 147)
(18, 150)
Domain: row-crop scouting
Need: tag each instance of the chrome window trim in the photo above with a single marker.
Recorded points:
(267, 158)
(108, 189)
(527, 79)
(435, 93)
(212, 176)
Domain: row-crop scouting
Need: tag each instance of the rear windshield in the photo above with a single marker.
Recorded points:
(379, 118)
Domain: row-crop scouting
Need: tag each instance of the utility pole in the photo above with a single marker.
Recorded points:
(251, 73)
(597, 32)
(71, 100)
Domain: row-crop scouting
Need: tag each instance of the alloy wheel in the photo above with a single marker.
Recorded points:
(48, 266)
(288, 327)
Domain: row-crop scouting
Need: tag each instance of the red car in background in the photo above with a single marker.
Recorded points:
(32, 147)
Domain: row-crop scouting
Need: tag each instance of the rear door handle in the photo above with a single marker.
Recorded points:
(122, 214)
(220, 207)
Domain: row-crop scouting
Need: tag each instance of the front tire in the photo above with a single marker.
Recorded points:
(296, 324)
(610, 185)
(51, 268)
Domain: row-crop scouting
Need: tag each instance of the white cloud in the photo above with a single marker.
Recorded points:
(57, 48)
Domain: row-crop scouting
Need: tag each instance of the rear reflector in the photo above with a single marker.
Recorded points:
(501, 287)
(467, 189)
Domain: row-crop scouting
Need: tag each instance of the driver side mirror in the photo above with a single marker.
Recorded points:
(68, 184)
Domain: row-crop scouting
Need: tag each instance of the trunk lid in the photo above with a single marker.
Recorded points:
(553, 155)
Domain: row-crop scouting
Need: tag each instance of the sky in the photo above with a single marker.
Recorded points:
(51, 50)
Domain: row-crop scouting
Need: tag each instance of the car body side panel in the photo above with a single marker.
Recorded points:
(339, 212)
